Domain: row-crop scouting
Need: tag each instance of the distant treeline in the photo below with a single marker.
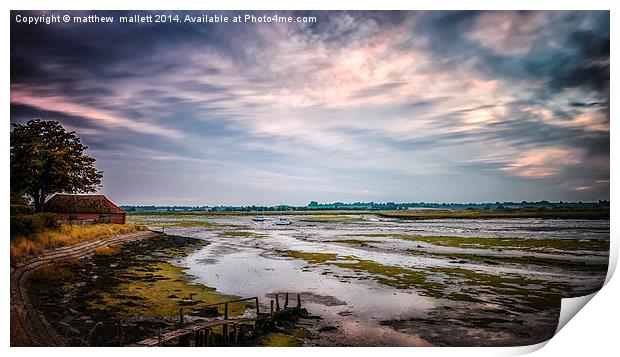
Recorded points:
(378, 206)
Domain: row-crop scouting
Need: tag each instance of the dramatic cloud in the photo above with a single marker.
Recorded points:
(401, 106)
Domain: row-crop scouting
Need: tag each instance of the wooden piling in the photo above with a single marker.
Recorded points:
(285, 300)
(277, 303)
(225, 326)
(299, 301)
(273, 315)
(257, 308)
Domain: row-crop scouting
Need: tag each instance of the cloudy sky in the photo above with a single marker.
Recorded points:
(359, 106)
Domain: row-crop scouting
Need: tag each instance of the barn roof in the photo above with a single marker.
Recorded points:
(62, 203)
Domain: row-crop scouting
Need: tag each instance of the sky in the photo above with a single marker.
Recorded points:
(402, 106)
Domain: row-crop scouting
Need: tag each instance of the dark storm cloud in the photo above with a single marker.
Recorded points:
(564, 55)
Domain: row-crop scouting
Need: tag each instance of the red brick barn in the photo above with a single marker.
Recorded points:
(85, 208)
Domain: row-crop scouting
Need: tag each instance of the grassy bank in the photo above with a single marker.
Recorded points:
(22, 246)
(555, 213)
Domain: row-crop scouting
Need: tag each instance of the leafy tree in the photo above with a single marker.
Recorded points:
(46, 159)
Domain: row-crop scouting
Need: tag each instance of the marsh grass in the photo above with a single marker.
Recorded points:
(331, 218)
(56, 272)
(108, 249)
(22, 246)
(556, 213)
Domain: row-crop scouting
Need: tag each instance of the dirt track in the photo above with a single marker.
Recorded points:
(28, 326)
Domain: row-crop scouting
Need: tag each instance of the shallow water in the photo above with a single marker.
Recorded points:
(369, 312)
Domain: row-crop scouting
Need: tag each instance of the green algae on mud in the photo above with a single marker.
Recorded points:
(522, 294)
(137, 283)
(243, 234)
(394, 276)
(279, 339)
(499, 243)
(359, 242)
(159, 290)
(453, 283)
(518, 260)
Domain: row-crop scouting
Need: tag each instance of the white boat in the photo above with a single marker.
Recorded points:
(282, 222)
(260, 218)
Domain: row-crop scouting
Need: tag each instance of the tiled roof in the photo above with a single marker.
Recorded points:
(61, 203)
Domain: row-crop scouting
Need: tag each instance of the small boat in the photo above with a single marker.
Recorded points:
(260, 218)
(282, 222)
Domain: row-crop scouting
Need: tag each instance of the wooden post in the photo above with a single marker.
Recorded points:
(277, 303)
(235, 334)
(225, 326)
(285, 300)
(257, 308)
(159, 337)
(120, 332)
(299, 301)
(207, 336)
(273, 315)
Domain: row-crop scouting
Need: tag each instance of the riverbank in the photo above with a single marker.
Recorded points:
(29, 326)
(66, 235)
(125, 293)
(418, 214)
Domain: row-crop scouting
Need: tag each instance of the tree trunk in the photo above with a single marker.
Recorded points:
(39, 201)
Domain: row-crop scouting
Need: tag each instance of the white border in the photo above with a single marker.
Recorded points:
(592, 331)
